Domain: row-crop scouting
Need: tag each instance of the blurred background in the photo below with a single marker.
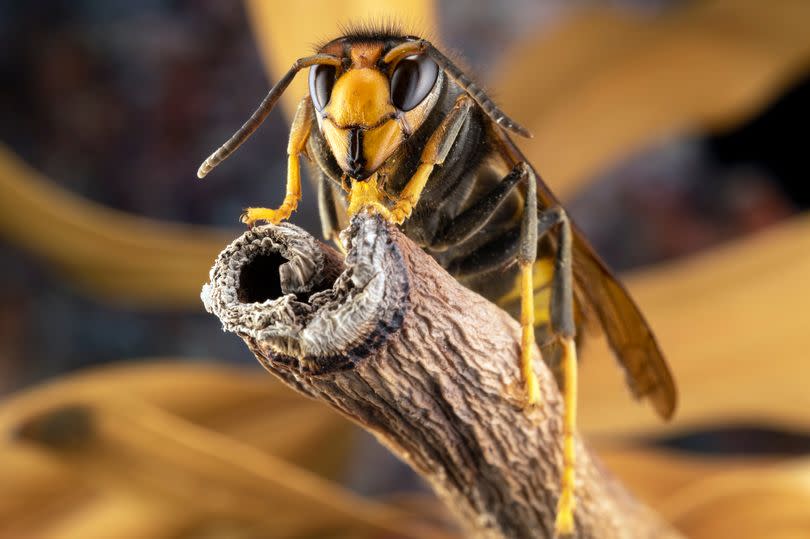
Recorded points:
(674, 131)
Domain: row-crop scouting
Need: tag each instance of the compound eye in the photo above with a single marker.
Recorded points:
(412, 81)
(321, 81)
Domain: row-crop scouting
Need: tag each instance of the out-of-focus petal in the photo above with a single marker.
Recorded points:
(117, 447)
(111, 254)
(746, 503)
(718, 497)
(604, 84)
(733, 324)
(654, 474)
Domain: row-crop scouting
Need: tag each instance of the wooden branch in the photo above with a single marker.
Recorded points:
(396, 344)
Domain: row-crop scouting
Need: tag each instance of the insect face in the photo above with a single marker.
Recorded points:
(366, 112)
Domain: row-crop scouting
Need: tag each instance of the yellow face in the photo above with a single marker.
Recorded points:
(367, 111)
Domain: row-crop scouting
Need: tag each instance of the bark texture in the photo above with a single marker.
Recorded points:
(392, 341)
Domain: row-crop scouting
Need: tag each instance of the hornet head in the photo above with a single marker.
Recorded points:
(367, 110)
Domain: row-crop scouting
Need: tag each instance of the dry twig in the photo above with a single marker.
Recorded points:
(397, 345)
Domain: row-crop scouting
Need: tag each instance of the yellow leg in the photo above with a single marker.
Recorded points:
(367, 195)
(411, 193)
(287, 207)
(299, 133)
(527, 336)
(564, 523)
(433, 154)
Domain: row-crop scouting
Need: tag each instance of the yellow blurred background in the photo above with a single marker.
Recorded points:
(674, 132)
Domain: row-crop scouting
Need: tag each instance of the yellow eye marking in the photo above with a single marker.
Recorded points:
(360, 98)
(338, 140)
(379, 143)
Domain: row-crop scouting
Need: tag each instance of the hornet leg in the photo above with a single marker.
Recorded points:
(561, 311)
(299, 133)
(435, 152)
(563, 327)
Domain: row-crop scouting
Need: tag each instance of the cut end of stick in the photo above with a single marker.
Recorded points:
(289, 295)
